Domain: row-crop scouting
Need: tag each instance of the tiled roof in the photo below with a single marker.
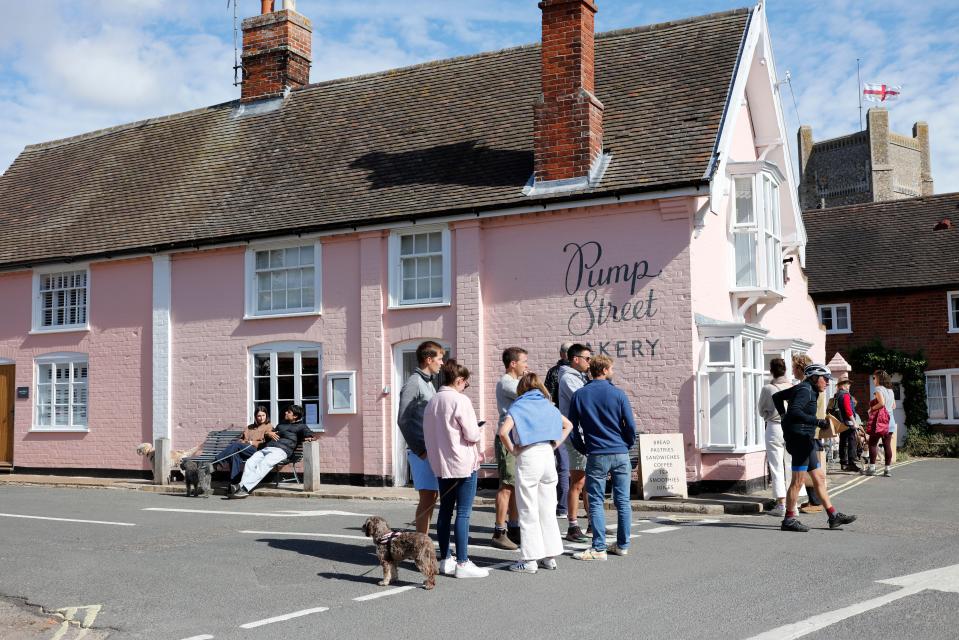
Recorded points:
(428, 140)
(883, 245)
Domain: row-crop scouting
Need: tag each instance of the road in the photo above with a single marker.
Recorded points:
(140, 565)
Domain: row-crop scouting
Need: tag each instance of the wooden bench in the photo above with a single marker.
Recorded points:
(213, 447)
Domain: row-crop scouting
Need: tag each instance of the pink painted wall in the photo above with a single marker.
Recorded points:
(796, 316)
(118, 388)
(529, 302)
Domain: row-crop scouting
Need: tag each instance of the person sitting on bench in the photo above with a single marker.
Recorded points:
(237, 453)
(280, 445)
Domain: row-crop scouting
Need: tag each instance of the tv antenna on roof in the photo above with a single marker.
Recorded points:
(236, 51)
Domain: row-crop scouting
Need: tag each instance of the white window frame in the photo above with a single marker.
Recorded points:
(37, 311)
(745, 432)
(71, 359)
(350, 377)
(396, 270)
(250, 280)
(952, 298)
(833, 308)
(764, 225)
(952, 411)
(275, 348)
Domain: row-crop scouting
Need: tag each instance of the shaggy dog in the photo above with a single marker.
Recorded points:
(395, 546)
(198, 478)
(176, 456)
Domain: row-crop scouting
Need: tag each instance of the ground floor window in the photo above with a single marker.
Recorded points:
(61, 395)
(285, 374)
(942, 395)
(729, 384)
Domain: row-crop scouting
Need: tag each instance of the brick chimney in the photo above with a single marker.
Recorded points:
(276, 51)
(568, 119)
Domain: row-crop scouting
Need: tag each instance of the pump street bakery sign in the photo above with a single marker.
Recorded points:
(586, 276)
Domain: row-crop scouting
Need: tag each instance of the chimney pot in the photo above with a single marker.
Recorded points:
(266, 6)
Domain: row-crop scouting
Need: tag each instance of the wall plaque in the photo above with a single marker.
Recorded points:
(23, 392)
(662, 465)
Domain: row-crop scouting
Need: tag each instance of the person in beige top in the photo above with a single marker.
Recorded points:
(249, 443)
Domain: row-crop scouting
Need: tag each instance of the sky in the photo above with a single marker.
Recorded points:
(68, 67)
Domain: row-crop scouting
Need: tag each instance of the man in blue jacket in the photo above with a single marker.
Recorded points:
(799, 432)
(604, 430)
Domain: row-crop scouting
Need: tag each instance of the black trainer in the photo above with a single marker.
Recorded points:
(793, 524)
(838, 519)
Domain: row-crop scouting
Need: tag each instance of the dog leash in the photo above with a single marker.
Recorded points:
(231, 455)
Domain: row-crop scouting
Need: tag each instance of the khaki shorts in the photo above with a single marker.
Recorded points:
(577, 461)
(505, 464)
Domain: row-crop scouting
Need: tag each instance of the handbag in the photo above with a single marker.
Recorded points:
(878, 422)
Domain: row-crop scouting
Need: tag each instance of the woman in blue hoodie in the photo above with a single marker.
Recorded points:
(532, 430)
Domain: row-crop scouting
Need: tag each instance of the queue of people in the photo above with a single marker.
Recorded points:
(593, 425)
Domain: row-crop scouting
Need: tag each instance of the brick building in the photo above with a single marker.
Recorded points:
(889, 271)
(631, 190)
(867, 166)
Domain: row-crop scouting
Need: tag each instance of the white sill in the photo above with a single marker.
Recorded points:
(70, 329)
(296, 314)
(730, 450)
(421, 305)
(839, 333)
(953, 331)
(36, 429)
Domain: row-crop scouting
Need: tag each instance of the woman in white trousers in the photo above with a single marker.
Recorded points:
(531, 431)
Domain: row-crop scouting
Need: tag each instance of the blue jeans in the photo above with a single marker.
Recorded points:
(455, 493)
(239, 453)
(562, 475)
(598, 466)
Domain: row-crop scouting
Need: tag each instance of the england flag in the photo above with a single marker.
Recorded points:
(881, 92)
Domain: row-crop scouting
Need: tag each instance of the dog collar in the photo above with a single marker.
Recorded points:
(386, 539)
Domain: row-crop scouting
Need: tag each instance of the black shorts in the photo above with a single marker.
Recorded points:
(804, 452)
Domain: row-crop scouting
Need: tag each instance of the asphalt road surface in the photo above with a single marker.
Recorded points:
(138, 565)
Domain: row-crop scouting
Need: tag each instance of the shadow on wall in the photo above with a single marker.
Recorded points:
(464, 163)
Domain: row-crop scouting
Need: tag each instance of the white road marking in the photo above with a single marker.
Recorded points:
(16, 515)
(381, 594)
(68, 613)
(204, 637)
(287, 616)
(942, 579)
(855, 482)
(660, 529)
(268, 514)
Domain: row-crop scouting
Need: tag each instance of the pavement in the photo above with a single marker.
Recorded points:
(142, 565)
(704, 504)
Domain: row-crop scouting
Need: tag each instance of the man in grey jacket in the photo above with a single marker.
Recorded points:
(415, 395)
(572, 378)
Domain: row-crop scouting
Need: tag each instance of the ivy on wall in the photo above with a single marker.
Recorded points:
(912, 368)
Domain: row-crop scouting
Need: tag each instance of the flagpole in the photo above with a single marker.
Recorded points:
(859, 78)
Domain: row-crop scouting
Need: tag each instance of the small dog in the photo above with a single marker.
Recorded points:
(395, 546)
(198, 478)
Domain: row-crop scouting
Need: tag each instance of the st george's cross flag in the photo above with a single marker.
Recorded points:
(881, 92)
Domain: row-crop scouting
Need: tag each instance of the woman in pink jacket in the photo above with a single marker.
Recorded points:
(452, 438)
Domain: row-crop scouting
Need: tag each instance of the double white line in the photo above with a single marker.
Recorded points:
(852, 484)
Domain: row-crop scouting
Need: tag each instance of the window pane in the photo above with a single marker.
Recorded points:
(955, 396)
(436, 288)
(284, 364)
(310, 386)
(342, 397)
(310, 363)
(744, 201)
(842, 318)
(436, 242)
(745, 259)
(406, 245)
(306, 255)
(261, 364)
(720, 408)
(293, 257)
(409, 290)
(262, 259)
(284, 387)
(825, 317)
(277, 258)
(309, 299)
(421, 243)
(935, 397)
(775, 211)
(261, 389)
(720, 350)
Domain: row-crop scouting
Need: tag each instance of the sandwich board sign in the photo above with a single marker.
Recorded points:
(662, 465)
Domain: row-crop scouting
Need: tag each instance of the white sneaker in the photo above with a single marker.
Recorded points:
(779, 511)
(616, 551)
(548, 563)
(470, 570)
(524, 566)
(590, 554)
(448, 566)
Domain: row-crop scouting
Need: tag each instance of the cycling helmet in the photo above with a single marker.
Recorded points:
(817, 370)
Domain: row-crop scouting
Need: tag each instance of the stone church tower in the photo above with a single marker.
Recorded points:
(866, 166)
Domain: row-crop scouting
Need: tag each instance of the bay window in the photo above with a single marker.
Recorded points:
(729, 384)
(756, 227)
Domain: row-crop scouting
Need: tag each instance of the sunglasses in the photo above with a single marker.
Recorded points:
(586, 358)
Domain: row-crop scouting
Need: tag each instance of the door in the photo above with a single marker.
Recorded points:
(7, 395)
(404, 364)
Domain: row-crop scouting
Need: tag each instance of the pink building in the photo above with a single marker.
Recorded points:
(161, 278)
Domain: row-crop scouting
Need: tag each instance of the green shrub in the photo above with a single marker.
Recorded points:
(932, 445)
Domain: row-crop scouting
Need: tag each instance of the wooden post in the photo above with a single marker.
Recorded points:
(311, 465)
(161, 461)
